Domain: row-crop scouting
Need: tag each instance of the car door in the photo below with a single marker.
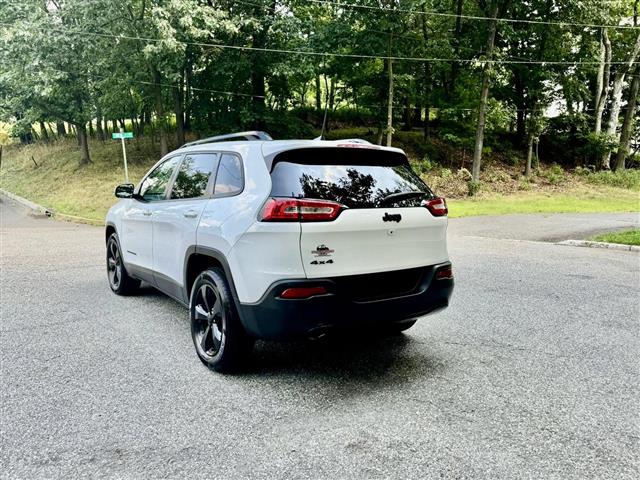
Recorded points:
(175, 224)
(136, 236)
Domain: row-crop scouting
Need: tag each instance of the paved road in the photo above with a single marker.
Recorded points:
(532, 373)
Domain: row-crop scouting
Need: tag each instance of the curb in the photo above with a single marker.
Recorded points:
(39, 211)
(36, 210)
(609, 246)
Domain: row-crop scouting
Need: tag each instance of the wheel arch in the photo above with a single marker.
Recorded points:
(109, 230)
(199, 259)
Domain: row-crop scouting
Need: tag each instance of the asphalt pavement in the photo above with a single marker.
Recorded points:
(532, 372)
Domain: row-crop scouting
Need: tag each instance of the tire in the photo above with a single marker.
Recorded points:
(218, 336)
(397, 328)
(119, 280)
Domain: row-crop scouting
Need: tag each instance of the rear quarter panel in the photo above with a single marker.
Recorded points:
(258, 253)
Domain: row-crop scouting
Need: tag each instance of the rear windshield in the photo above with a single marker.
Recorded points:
(355, 186)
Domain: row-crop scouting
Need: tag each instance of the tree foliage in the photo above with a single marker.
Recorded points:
(170, 67)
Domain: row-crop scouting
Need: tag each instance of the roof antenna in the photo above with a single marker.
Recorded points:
(326, 107)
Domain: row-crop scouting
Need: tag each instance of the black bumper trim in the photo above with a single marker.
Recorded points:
(273, 317)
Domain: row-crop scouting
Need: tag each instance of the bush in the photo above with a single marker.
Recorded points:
(629, 179)
(596, 144)
(424, 165)
(554, 175)
(556, 169)
(473, 187)
(524, 185)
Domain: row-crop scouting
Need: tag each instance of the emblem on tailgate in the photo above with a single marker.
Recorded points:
(392, 218)
(322, 251)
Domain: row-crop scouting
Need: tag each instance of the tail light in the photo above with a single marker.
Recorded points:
(437, 206)
(302, 292)
(444, 273)
(294, 210)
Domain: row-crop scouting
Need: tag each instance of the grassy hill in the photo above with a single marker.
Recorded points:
(49, 174)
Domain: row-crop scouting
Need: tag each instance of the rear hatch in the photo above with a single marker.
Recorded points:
(362, 210)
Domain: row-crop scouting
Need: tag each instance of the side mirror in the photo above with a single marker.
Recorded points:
(125, 190)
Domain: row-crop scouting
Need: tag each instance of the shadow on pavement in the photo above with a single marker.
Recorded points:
(362, 360)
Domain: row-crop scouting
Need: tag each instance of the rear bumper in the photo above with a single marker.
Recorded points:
(275, 318)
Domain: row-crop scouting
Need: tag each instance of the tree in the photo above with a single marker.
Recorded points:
(617, 98)
(484, 92)
(627, 124)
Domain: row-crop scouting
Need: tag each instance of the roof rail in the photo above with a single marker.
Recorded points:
(355, 140)
(348, 140)
(249, 136)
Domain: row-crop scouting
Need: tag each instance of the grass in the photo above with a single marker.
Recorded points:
(575, 199)
(627, 237)
(59, 183)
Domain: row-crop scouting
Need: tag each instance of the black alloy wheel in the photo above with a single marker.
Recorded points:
(119, 280)
(218, 336)
(114, 264)
(210, 321)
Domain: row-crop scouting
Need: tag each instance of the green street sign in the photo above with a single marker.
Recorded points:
(117, 136)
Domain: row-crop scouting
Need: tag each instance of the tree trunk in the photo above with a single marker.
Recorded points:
(427, 73)
(162, 127)
(85, 159)
(519, 100)
(627, 124)
(527, 168)
(101, 134)
(258, 70)
(44, 135)
(457, 34)
(390, 96)
(612, 126)
(600, 77)
(60, 129)
(417, 114)
(135, 125)
(407, 118)
(188, 74)
(318, 94)
(484, 94)
(332, 93)
(605, 82)
(178, 100)
(91, 128)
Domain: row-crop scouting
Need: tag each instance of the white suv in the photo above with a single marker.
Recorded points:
(271, 239)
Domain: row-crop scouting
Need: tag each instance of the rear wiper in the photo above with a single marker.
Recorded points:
(397, 197)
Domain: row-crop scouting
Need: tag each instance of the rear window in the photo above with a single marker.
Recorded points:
(380, 185)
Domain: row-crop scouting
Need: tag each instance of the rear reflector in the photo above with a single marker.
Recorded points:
(445, 273)
(303, 292)
(437, 206)
(294, 210)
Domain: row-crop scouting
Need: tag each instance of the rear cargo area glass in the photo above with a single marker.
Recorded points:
(355, 186)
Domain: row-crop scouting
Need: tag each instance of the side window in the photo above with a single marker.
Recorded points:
(193, 175)
(230, 178)
(154, 187)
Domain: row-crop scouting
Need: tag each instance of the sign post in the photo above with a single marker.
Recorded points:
(122, 135)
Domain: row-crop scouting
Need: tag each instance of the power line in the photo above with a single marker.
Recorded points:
(167, 85)
(248, 95)
(469, 17)
(325, 54)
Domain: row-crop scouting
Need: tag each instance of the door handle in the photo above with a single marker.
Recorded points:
(190, 214)
(147, 213)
